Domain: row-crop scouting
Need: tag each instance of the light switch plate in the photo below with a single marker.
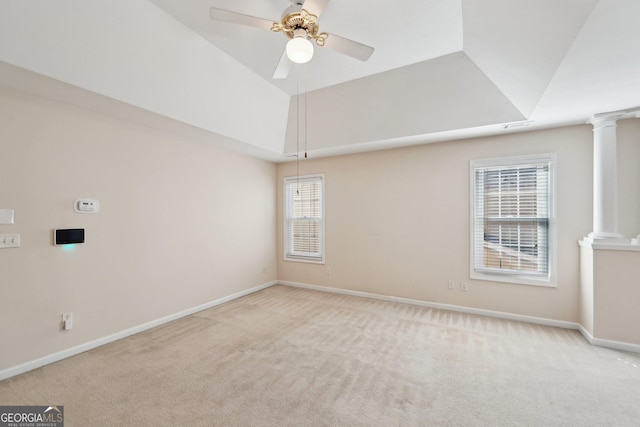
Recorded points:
(9, 241)
(6, 216)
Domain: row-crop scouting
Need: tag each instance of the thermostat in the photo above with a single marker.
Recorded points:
(86, 205)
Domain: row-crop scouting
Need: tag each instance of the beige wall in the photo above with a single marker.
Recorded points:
(182, 223)
(628, 140)
(616, 275)
(398, 222)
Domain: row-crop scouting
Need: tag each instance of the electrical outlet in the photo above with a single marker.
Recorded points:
(464, 286)
(452, 284)
(328, 271)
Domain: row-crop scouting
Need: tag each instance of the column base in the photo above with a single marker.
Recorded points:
(604, 240)
(605, 237)
(613, 242)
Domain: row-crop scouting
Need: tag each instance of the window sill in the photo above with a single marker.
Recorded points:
(305, 260)
(514, 279)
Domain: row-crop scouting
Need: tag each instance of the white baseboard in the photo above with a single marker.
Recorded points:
(449, 307)
(34, 364)
(614, 345)
(586, 334)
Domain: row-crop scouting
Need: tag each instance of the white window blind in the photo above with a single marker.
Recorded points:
(512, 214)
(304, 222)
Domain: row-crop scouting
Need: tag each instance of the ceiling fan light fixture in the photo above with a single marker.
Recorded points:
(299, 49)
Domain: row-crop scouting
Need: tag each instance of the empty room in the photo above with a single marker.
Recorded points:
(340, 213)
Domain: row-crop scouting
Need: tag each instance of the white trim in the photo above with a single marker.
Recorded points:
(302, 258)
(440, 306)
(610, 244)
(551, 279)
(614, 345)
(55, 357)
(585, 333)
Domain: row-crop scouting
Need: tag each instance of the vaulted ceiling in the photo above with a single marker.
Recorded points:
(442, 69)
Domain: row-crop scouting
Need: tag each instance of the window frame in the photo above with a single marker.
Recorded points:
(548, 280)
(313, 259)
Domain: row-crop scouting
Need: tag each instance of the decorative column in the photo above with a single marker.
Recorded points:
(605, 180)
(607, 298)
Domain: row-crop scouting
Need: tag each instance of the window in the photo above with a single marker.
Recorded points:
(304, 218)
(511, 229)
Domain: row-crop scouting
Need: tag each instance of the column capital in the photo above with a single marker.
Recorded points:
(604, 120)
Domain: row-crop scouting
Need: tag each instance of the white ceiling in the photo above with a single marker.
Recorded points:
(442, 69)
(427, 28)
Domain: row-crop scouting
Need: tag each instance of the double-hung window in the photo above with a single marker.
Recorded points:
(304, 218)
(512, 219)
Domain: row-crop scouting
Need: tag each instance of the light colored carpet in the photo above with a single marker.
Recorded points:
(294, 357)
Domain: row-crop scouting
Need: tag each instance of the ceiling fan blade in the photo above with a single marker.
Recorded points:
(315, 7)
(239, 18)
(283, 68)
(348, 47)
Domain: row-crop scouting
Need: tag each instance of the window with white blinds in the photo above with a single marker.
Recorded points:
(304, 218)
(512, 216)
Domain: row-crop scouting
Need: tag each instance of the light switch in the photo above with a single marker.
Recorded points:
(6, 216)
(9, 241)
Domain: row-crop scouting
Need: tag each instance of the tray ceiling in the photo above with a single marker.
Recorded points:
(441, 69)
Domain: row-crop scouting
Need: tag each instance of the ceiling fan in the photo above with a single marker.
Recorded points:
(299, 23)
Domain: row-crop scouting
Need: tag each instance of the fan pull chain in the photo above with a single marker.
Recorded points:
(298, 138)
(305, 111)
